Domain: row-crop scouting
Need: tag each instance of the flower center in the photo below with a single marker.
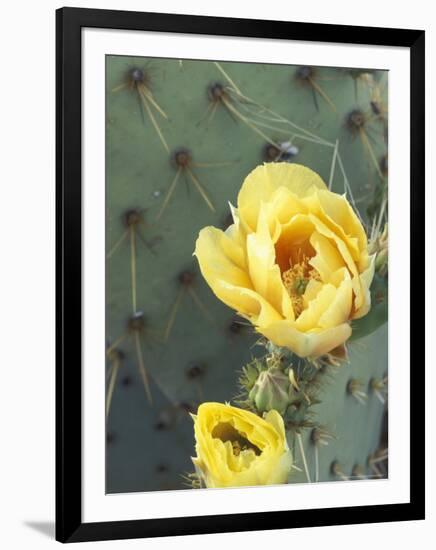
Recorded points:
(226, 432)
(296, 279)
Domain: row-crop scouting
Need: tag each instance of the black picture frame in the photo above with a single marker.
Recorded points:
(69, 23)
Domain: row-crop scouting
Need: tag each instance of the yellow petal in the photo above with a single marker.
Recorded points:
(264, 272)
(261, 184)
(327, 259)
(246, 302)
(218, 260)
(285, 204)
(323, 203)
(312, 290)
(306, 344)
(235, 230)
(366, 280)
(280, 473)
(339, 310)
(221, 256)
(279, 210)
(342, 217)
(276, 420)
(308, 320)
(222, 264)
(346, 255)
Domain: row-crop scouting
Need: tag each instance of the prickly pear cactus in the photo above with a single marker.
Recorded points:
(180, 138)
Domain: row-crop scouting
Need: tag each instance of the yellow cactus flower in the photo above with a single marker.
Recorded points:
(295, 262)
(237, 448)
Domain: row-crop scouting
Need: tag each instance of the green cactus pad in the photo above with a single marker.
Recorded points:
(192, 346)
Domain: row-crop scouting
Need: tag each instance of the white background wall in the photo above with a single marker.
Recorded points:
(27, 270)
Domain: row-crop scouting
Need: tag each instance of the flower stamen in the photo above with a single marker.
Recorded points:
(239, 441)
(296, 280)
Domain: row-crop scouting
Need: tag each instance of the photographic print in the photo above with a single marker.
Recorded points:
(246, 274)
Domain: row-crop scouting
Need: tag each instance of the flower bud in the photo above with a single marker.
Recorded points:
(272, 390)
(380, 247)
(381, 262)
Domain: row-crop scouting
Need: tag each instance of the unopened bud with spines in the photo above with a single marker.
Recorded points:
(272, 390)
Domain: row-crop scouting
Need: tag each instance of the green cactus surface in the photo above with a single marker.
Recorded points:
(177, 152)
